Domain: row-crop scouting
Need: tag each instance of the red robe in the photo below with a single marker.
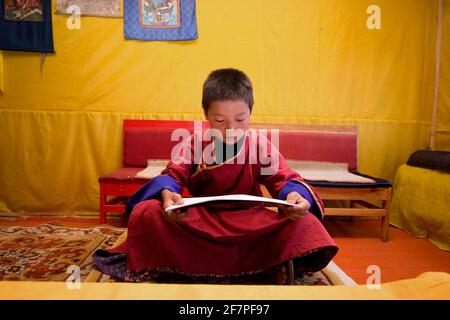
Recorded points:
(224, 241)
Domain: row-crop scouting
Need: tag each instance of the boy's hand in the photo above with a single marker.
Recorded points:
(170, 198)
(297, 212)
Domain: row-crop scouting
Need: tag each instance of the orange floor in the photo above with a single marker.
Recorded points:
(402, 257)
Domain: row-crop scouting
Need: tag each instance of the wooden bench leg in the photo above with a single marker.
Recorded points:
(102, 209)
(385, 219)
(290, 272)
(352, 219)
(384, 229)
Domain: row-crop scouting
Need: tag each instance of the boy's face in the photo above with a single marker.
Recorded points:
(229, 114)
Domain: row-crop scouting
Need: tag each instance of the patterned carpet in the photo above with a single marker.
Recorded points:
(45, 252)
(329, 276)
(307, 279)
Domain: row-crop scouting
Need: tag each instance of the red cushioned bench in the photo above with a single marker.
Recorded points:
(151, 139)
(142, 140)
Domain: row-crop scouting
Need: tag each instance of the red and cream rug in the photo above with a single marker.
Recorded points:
(49, 252)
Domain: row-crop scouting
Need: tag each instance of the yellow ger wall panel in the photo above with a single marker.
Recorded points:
(311, 62)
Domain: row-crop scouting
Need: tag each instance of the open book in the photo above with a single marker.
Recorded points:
(235, 200)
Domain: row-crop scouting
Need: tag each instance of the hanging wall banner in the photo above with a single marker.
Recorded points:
(26, 25)
(160, 19)
(24, 10)
(101, 8)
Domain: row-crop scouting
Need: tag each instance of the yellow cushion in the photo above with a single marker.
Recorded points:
(420, 204)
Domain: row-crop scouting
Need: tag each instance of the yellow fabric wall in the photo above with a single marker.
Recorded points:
(442, 137)
(311, 62)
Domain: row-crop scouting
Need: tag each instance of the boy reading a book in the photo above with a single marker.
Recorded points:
(220, 241)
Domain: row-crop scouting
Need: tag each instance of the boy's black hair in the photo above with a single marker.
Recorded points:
(227, 84)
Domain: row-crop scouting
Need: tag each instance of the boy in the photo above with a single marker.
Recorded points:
(219, 241)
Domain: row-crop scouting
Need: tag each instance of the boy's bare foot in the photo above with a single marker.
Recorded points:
(277, 274)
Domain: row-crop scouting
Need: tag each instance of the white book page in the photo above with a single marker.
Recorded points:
(232, 197)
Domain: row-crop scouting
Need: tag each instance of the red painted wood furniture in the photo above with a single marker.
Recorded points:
(142, 140)
(151, 139)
